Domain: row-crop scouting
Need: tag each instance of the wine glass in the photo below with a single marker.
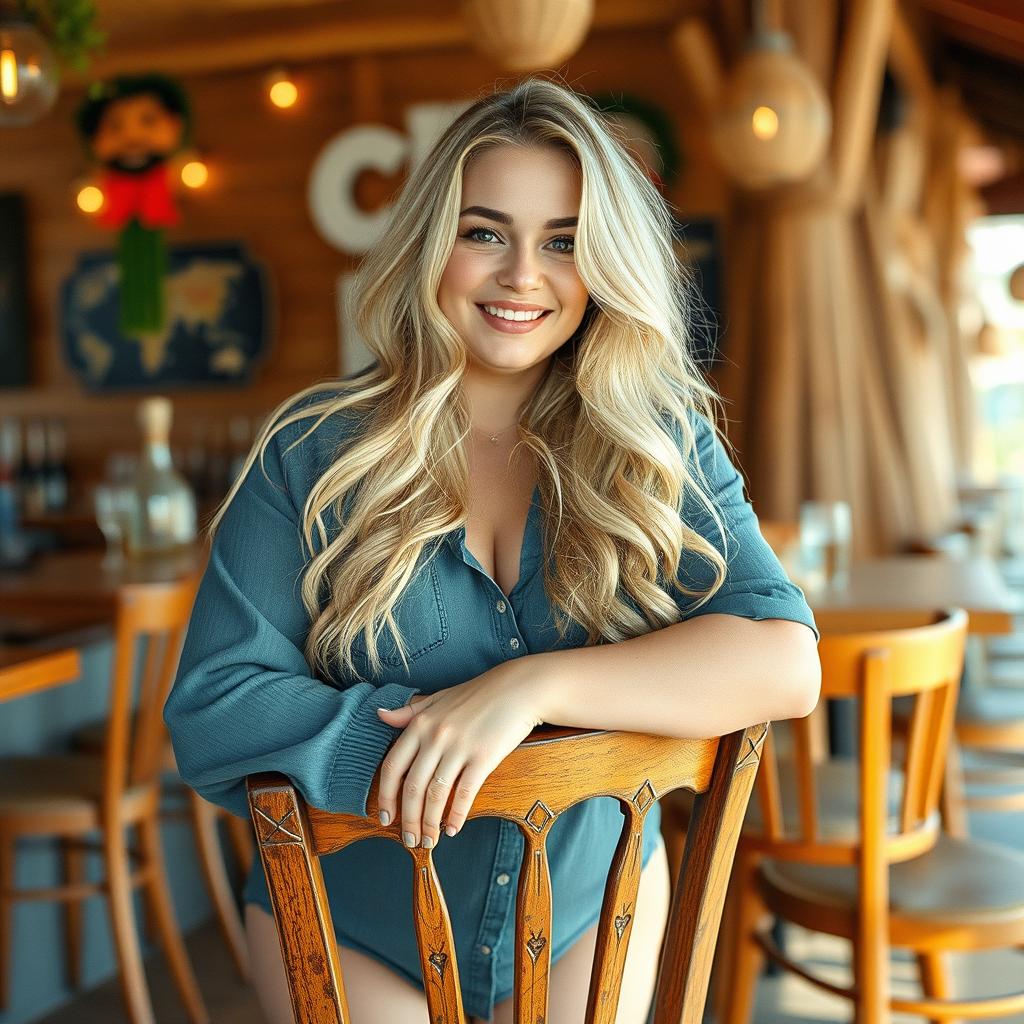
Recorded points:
(109, 505)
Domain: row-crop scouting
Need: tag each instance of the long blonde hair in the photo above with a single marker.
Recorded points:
(611, 422)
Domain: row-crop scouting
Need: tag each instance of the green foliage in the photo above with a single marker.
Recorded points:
(70, 25)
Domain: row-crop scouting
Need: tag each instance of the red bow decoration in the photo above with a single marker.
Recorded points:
(146, 196)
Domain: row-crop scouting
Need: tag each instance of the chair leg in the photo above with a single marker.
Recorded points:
(73, 857)
(158, 900)
(242, 842)
(6, 908)
(746, 957)
(722, 965)
(936, 979)
(204, 826)
(122, 920)
(871, 980)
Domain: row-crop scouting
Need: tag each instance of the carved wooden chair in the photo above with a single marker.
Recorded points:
(75, 796)
(894, 879)
(531, 788)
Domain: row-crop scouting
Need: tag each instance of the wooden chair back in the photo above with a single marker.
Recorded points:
(873, 658)
(550, 771)
(156, 615)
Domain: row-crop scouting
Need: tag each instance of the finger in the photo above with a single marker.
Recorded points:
(414, 791)
(439, 789)
(392, 772)
(398, 717)
(473, 776)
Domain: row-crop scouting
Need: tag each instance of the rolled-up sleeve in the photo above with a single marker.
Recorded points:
(756, 586)
(244, 699)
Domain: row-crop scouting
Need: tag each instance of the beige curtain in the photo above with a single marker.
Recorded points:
(839, 370)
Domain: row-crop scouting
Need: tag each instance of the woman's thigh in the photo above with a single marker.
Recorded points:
(375, 994)
(570, 977)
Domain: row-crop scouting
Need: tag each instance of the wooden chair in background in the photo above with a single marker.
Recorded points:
(74, 796)
(204, 819)
(897, 880)
(531, 787)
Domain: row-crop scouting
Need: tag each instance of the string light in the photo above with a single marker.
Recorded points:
(89, 198)
(195, 173)
(281, 89)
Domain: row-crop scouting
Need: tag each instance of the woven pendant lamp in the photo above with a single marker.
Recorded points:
(774, 120)
(524, 35)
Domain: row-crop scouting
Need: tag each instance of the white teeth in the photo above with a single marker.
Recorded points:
(511, 314)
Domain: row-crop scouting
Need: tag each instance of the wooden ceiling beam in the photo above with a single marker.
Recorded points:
(234, 40)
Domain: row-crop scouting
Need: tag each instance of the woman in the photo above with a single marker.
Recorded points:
(519, 514)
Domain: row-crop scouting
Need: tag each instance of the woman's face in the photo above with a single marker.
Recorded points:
(513, 255)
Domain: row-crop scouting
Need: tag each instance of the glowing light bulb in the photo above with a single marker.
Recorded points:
(89, 199)
(8, 75)
(765, 123)
(195, 174)
(283, 92)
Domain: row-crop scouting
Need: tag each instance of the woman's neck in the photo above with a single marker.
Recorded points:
(496, 402)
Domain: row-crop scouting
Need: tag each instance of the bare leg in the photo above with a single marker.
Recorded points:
(570, 977)
(376, 995)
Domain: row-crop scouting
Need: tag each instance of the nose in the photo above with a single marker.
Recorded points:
(521, 271)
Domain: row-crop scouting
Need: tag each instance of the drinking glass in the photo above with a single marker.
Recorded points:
(109, 503)
(825, 544)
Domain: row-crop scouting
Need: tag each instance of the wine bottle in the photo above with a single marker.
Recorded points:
(55, 466)
(161, 513)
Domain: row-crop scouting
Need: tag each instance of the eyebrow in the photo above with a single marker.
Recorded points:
(504, 218)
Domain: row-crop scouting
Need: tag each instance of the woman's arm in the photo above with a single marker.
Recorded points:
(244, 699)
(706, 676)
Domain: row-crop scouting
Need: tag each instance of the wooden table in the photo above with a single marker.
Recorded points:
(916, 582)
(63, 600)
(63, 581)
(30, 668)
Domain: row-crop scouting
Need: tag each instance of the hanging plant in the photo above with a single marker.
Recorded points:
(69, 25)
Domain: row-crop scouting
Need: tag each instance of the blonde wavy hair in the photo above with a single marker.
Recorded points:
(610, 423)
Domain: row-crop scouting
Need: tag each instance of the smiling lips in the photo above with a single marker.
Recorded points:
(513, 320)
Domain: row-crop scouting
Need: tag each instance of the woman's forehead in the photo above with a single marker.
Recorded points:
(538, 182)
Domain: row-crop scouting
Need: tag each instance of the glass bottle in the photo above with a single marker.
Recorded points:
(55, 466)
(161, 512)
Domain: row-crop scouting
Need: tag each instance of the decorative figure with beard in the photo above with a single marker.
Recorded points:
(132, 125)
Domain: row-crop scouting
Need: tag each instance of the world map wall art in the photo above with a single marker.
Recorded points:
(214, 333)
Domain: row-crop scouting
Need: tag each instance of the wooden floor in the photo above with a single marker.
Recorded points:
(780, 1000)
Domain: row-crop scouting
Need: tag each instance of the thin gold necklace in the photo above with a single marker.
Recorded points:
(493, 437)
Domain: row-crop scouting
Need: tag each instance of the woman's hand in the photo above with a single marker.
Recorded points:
(452, 740)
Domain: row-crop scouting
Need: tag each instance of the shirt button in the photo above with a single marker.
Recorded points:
(486, 950)
(503, 879)
(514, 644)
(501, 606)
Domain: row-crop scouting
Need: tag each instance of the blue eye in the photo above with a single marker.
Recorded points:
(565, 238)
(473, 232)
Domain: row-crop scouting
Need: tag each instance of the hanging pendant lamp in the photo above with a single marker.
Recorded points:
(524, 35)
(29, 72)
(774, 121)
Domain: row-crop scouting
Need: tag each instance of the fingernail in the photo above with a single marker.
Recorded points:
(427, 843)
(449, 831)
(385, 818)
(410, 839)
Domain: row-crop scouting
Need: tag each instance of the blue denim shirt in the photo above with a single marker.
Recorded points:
(245, 701)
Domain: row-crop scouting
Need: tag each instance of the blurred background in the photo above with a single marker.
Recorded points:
(186, 189)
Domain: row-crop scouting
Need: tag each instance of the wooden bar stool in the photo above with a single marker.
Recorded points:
(897, 880)
(70, 796)
(636, 768)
